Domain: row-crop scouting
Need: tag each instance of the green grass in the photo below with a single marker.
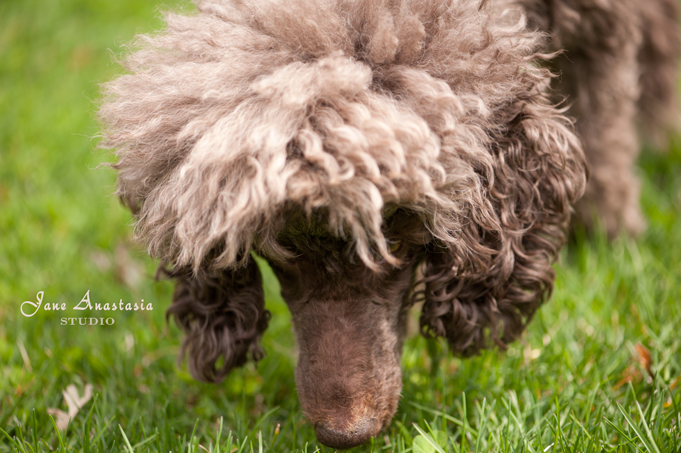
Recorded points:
(575, 384)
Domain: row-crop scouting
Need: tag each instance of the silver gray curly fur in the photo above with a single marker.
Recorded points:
(247, 106)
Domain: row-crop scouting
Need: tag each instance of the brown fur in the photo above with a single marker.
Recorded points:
(618, 69)
(351, 142)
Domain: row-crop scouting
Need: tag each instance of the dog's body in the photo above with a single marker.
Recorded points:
(350, 143)
(618, 70)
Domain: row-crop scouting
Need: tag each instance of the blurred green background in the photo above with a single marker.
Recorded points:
(578, 382)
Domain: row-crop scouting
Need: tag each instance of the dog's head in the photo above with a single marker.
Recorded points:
(375, 154)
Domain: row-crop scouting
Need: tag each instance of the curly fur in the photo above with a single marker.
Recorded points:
(247, 106)
(618, 68)
(349, 142)
(223, 315)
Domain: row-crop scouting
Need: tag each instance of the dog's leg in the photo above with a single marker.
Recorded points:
(659, 58)
(599, 74)
(605, 100)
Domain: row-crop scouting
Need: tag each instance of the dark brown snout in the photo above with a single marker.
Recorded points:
(348, 373)
(347, 436)
(350, 322)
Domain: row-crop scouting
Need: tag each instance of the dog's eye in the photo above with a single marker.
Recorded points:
(394, 246)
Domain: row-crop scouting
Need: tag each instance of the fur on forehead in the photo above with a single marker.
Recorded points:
(346, 106)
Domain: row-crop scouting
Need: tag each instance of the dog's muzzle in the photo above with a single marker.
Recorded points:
(355, 435)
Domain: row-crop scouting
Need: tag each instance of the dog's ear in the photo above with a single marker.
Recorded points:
(484, 286)
(223, 315)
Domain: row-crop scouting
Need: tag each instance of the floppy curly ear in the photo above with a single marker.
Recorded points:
(485, 286)
(222, 313)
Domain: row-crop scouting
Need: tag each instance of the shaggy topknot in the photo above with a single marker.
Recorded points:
(349, 107)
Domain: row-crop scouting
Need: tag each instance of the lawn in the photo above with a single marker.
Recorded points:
(597, 371)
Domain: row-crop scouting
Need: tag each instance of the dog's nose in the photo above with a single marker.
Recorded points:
(341, 439)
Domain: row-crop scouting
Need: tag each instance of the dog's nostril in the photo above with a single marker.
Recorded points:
(355, 435)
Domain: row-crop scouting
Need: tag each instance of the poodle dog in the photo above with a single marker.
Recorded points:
(377, 153)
